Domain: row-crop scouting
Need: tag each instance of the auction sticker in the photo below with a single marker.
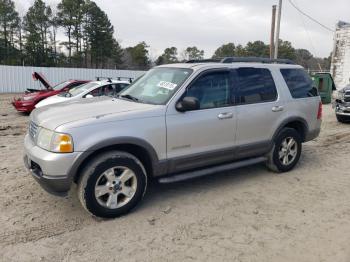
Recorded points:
(167, 85)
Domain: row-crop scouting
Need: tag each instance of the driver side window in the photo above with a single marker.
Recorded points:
(212, 90)
(95, 92)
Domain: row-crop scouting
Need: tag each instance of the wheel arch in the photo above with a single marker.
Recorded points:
(137, 147)
(296, 123)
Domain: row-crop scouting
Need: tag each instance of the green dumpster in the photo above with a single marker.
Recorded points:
(325, 85)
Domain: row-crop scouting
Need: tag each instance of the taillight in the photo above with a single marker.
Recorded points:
(319, 113)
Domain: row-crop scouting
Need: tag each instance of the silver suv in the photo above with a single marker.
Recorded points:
(176, 122)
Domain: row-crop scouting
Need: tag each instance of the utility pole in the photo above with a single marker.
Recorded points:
(278, 28)
(272, 34)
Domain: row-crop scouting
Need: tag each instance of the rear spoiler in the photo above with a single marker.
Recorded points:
(39, 76)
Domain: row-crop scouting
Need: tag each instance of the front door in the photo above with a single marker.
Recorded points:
(205, 136)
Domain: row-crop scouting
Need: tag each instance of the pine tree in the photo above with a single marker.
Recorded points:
(37, 22)
(9, 21)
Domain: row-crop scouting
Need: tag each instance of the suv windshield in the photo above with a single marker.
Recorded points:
(157, 86)
(82, 88)
(60, 85)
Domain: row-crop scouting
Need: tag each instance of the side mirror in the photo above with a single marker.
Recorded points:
(188, 103)
(89, 96)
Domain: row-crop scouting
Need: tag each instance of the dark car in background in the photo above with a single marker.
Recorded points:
(26, 103)
(342, 104)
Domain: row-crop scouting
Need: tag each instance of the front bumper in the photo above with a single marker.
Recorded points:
(23, 106)
(342, 109)
(51, 170)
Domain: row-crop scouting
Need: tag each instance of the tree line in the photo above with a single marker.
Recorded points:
(32, 40)
(256, 49)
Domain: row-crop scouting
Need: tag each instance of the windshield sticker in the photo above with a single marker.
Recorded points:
(167, 85)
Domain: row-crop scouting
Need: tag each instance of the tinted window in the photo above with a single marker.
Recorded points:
(299, 83)
(212, 90)
(254, 85)
(120, 86)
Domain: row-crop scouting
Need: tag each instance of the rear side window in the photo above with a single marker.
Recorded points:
(254, 85)
(299, 83)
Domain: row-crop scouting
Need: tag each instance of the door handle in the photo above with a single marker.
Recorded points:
(225, 115)
(277, 108)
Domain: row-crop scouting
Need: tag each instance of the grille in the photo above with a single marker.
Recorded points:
(347, 96)
(33, 129)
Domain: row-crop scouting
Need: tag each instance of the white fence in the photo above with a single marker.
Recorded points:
(15, 79)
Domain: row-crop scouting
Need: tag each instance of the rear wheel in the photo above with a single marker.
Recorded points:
(112, 184)
(286, 151)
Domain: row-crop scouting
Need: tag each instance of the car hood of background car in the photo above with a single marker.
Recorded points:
(52, 100)
(93, 110)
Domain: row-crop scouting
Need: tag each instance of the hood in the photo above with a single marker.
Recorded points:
(51, 100)
(99, 108)
(40, 77)
(36, 94)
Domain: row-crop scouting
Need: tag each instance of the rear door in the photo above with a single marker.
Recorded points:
(258, 108)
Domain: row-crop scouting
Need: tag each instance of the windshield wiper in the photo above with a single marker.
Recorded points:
(129, 97)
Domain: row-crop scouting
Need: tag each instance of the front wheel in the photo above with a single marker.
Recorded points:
(112, 184)
(286, 151)
(343, 119)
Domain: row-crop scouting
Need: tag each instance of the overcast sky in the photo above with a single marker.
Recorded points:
(208, 24)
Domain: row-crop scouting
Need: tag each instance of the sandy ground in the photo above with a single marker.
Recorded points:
(249, 214)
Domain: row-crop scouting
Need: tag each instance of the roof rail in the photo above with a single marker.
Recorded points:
(256, 60)
(192, 61)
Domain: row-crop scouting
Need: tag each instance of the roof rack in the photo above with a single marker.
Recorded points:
(256, 60)
(125, 77)
(192, 61)
(109, 79)
(249, 59)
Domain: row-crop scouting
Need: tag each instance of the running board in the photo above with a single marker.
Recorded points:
(210, 170)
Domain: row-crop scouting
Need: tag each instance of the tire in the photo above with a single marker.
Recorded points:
(278, 154)
(343, 119)
(112, 184)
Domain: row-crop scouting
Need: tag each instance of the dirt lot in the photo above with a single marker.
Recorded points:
(246, 215)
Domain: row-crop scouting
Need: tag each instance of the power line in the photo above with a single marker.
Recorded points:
(308, 16)
(310, 40)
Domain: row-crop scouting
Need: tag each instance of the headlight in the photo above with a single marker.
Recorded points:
(27, 98)
(54, 142)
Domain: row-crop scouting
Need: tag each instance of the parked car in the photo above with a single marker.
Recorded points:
(341, 104)
(108, 87)
(26, 103)
(176, 122)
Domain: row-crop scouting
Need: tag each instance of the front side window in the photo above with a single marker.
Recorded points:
(157, 86)
(97, 91)
(254, 85)
(212, 90)
(299, 83)
(120, 86)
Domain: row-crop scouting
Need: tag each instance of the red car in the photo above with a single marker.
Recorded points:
(27, 102)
